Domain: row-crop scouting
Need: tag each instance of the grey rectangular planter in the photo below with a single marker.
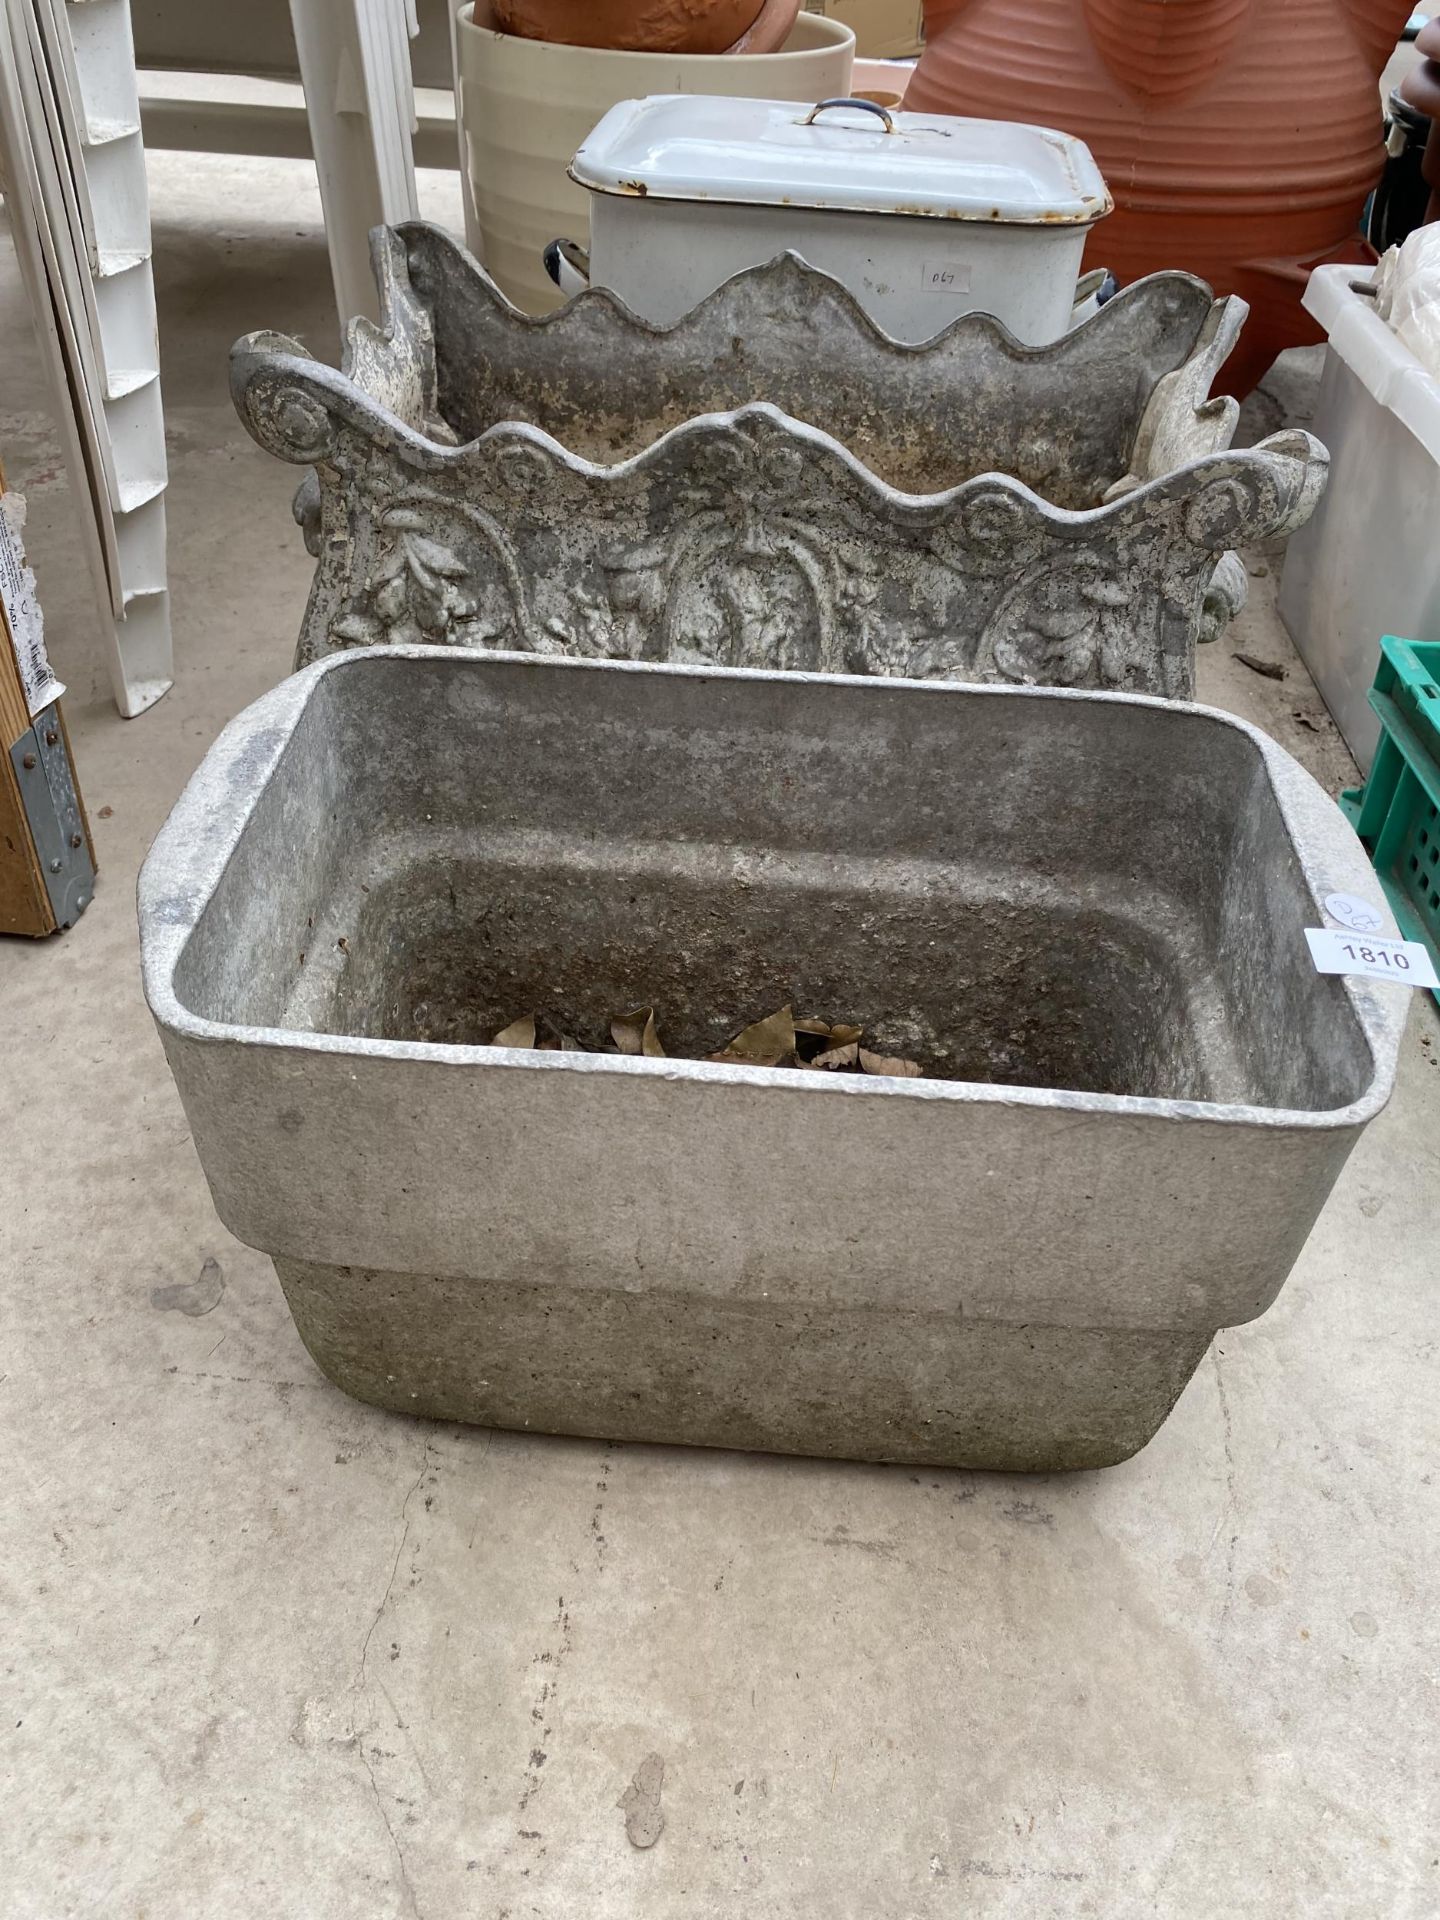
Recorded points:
(1083, 912)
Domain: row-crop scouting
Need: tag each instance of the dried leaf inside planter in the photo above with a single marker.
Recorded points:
(896, 1068)
(765, 1044)
(636, 1033)
(519, 1033)
(837, 1057)
(778, 1041)
(814, 1037)
(557, 1040)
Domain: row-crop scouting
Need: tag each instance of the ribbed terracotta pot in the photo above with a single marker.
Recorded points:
(1239, 137)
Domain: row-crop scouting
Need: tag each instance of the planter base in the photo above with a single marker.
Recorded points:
(926, 1389)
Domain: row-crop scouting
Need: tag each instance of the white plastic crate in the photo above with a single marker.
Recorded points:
(1368, 562)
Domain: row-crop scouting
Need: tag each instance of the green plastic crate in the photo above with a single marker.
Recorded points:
(1397, 812)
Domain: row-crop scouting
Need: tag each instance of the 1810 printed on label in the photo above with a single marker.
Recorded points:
(1373, 954)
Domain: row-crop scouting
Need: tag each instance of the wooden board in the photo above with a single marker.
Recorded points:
(24, 903)
(24, 900)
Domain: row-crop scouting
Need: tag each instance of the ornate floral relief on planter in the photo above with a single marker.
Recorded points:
(707, 501)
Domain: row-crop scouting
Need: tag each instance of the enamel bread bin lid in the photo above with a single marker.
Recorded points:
(848, 156)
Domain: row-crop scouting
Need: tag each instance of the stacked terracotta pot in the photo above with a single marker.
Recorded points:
(1239, 137)
(653, 26)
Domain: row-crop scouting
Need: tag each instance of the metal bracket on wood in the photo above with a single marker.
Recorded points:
(52, 811)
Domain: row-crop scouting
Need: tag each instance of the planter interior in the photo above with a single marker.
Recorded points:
(1084, 939)
(606, 385)
(1062, 994)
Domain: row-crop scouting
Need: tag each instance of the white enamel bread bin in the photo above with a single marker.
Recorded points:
(923, 216)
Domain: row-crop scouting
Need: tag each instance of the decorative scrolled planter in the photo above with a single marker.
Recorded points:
(772, 482)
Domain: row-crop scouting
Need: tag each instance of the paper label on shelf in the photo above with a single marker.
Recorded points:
(22, 609)
(1406, 962)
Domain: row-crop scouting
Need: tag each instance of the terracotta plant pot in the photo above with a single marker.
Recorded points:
(1239, 137)
(631, 26)
(771, 28)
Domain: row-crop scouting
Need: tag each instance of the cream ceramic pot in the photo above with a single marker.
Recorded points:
(923, 216)
(526, 105)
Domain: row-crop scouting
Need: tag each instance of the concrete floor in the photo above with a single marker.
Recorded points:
(267, 1652)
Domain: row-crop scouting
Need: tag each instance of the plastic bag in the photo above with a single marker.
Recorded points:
(1407, 294)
